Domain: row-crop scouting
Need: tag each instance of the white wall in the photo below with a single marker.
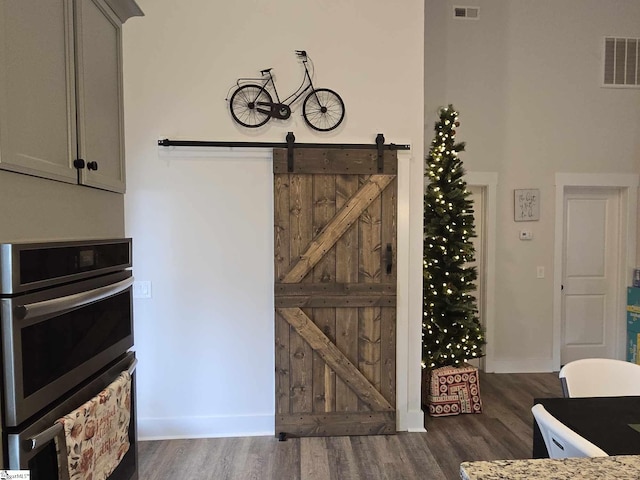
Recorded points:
(526, 79)
(202, 225)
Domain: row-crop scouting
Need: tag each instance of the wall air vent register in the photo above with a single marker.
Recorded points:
(468, 13)
(621, 62)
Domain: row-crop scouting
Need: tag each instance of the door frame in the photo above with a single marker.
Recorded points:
(627, 185)
(488, 181)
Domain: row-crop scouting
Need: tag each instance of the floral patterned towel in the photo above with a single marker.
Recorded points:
(97, 433)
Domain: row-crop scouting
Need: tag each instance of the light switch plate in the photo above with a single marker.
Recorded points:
(141, 289)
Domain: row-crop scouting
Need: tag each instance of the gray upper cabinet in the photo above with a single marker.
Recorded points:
(99, 87)
(37, 88)
(61, 89)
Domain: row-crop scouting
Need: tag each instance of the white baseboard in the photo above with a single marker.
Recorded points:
(206, 427)
(521, 365)
(232, 426)
(414, 421)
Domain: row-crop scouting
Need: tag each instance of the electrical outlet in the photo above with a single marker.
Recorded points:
(540, 272)
(141, 289)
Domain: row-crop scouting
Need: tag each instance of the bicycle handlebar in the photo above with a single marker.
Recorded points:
(301, 53)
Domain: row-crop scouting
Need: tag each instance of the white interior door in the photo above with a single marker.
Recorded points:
(591, 254)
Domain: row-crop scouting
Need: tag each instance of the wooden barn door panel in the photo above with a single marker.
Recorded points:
(335, 292)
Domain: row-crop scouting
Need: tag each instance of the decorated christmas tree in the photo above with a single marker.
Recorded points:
(451, 330)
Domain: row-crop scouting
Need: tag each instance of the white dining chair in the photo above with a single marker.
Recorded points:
(560, 440)
(600, 377)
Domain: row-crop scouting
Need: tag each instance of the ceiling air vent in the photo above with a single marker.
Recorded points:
(469, 13)
(621, 65)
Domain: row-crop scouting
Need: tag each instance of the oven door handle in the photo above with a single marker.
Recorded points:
(50, 433)
(132, 366)
(44, 437)
(63, 304)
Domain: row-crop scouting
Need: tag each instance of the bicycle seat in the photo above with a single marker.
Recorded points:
(266, 70)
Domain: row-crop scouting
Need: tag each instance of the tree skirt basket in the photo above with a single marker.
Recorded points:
(453, 390)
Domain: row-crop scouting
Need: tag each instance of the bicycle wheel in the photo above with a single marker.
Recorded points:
(323, 109)
(244, 106)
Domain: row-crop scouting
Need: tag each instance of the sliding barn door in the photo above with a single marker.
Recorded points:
(335, 292)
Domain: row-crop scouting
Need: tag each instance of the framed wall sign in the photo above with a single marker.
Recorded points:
(526, 205)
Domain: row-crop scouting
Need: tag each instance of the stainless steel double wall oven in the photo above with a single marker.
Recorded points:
(67, 330)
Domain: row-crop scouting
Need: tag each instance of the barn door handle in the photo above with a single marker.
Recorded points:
(389, 258)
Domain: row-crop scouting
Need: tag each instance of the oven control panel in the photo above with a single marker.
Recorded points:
(30, 266)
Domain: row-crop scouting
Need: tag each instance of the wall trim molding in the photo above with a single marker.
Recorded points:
(522, 365)
(221, 426)
(206, 427)
(409, 305)
(415, 421)
(488, 181)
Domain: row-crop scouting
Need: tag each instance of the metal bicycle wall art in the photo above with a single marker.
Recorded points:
(252, 104)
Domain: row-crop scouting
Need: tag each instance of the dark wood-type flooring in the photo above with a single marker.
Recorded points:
(502, 431)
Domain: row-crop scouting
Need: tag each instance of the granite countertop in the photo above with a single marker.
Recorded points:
(598, 468)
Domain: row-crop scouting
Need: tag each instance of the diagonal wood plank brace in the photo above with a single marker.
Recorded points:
(334, 358)
(337, 226)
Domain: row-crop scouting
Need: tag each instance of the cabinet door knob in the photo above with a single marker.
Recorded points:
(78, 163)
(92, 165)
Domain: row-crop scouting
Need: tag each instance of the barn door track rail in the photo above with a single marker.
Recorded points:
(290, 145)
